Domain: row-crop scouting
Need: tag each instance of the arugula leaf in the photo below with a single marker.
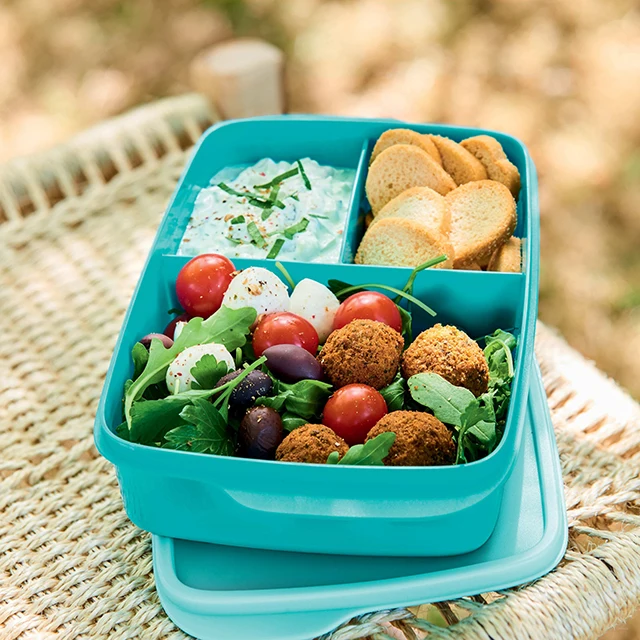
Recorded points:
(151, 419)
(333, 458)
(122, 431)
(478, 416)
(291, 421)
(226, 326)
(222, 401)
(408, 288)
(207, 371)
(484, 430)
(286, 275)
(337, 287)
(393, 394)
(274, 402)
(206, 431)
(447, 401)
(140, 356)
(384, 287)
(406, 330)
(371, 453)
(306, 398)
(498, 354)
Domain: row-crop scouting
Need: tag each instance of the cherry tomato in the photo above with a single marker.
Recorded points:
(352, 410)
(368, 305)
(284, 328)
(202, 282)
(169, 330)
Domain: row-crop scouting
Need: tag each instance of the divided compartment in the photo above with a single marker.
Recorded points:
(243, 143)
(359, 208)
(346, 510)
(316, 508)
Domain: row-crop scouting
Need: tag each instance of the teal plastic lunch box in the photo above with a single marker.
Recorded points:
(391, 511)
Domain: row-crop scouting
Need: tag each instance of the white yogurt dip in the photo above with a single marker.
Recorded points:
(239, 218)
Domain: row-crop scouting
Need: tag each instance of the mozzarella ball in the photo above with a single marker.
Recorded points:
(315, 303)
(179, 376)
(257, 288)
(180, 325)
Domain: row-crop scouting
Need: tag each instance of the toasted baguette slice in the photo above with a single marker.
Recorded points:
(401, 167)
(508, 257)
(461, 165)
(405, 136)
(404, 243)
(419, 203)
(491, 154)
(483, 217)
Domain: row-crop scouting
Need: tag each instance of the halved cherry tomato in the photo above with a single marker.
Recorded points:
(284, 328)
(202, 282)
(353, 410)
(368, 305)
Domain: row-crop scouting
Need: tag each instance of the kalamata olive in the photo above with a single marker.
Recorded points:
(255, 385)
(260, 433)
(167, 342)
(292, 363)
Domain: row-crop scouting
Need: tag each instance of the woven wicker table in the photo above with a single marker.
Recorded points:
(75, 227)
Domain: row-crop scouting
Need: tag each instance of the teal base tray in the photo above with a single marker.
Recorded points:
(216, 592)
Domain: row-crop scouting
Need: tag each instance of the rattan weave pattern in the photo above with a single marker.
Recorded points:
(72, 565)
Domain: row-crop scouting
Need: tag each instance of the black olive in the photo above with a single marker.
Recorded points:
(255, 385)
(260, 433)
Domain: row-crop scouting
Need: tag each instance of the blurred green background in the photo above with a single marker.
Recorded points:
(563, 75)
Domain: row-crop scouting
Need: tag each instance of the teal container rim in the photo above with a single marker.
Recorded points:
(111, 446)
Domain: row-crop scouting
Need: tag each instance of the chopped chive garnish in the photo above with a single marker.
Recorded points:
(298, 227)
(273, 197)
(237, 220)
(303, 174)
(256, 236)
(278, 179)
(230, 239)
(295, 196)
(315, 215)
(275, 249)
(252, 199)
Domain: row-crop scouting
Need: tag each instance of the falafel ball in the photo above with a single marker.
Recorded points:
(421, 439)
(450, 353)
(310, 443)
(363, 351)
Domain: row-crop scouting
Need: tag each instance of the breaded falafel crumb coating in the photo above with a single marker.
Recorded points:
(310, 443)
(450, 353)
(421, 439)
(363, 351)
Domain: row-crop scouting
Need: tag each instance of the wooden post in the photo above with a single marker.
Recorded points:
(242, 78)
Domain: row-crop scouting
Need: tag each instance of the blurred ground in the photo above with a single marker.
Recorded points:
(563, 75)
